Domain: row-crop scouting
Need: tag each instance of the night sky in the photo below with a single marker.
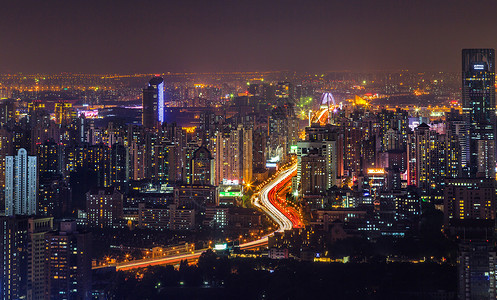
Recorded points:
(212, 35)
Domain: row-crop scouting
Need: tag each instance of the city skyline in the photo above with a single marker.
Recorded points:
(278, 149)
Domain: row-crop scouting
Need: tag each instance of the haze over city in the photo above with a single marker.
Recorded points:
(211, 36)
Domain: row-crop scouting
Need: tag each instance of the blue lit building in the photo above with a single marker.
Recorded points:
(153, 103)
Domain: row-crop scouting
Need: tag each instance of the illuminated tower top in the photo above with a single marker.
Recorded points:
(478, 85)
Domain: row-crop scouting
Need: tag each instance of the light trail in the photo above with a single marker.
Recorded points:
(268, 192)
(264, 202)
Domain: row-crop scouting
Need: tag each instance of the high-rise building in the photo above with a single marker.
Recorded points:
(164, 164)
(69, 262)
(8, 109)
(104, 206)
(5, 150)
(38, 286)
(153, 103)
(98, 160)
(478, 101)
(21, 183)
(54, 196)
(283, 129)
(247, 158)
(469, 198)
(64, 113)
(202, 167)
(259, 150)
(317, 157)
(13, 240)
(50, 157)
(457, 144)
(229, 155)
(284, 90)
(119, 166)
(476, 268)
(430, 159)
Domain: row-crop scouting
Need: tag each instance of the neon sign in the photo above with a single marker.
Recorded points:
(478, 67)
(376, 171)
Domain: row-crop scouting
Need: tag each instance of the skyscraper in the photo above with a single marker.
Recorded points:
(317, 157)
(50, 157)
(13, 242)
(430, 159)
(153, 103)
(478, 99)
(476, 270)
(69, 262)
(20, 184)
(202, 170)
(38, 285)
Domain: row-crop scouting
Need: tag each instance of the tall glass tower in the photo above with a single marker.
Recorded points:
(153, 103)
(478, 100)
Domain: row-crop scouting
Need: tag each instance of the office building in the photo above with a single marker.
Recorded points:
(478, 101)
(153, 103)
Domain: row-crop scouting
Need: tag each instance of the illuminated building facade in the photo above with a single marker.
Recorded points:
(169, 217)
(153, 103)
(283, 90)
(469, 198)
(430, 159)
(38, 286)
(317, 157)
(54, 196)
(477, 270)
(69, 262)
(8, 109)
(104, 206)
(119, 170)
(21, 184)
(164, 163)
(98, 161)
(64, 113)
(202, 167)
(5, 149)
(50, 157)
(234, 155)
(458, 141)
(13, 240)
(478, 101)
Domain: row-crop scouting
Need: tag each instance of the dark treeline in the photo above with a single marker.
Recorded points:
(223, 278)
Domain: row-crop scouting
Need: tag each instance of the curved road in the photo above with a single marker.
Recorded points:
(264, 200)
(268, 192)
